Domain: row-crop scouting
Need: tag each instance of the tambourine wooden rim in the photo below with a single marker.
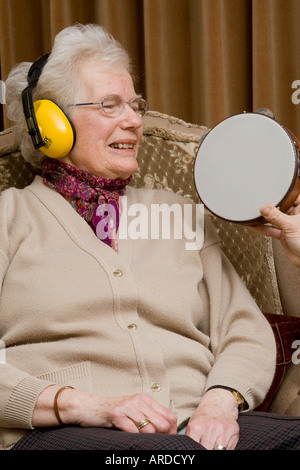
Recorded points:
(204, 175)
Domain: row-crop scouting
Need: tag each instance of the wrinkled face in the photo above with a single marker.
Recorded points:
(106, 146)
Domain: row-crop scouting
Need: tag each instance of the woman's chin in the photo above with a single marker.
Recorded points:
(128, 170)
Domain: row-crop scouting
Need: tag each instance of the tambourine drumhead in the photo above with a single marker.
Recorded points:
(243, 163)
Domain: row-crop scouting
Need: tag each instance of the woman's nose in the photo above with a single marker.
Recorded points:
(130, 117)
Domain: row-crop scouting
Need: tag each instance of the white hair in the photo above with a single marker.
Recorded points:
(60, 80)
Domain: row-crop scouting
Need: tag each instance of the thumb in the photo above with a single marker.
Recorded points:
(275, 217)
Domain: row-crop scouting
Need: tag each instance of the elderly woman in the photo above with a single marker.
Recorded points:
(111, 342)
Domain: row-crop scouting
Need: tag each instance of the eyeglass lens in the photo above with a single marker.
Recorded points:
(114, 105)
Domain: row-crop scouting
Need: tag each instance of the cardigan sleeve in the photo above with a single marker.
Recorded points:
(241, 339)
(18, 390)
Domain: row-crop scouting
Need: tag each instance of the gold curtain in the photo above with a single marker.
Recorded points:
(199, 60)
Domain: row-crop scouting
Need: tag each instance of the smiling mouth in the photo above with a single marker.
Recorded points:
(122, 146)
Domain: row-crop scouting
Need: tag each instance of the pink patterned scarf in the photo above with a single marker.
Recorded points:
(95, 199)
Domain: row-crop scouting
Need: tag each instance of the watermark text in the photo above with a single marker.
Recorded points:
(159, 221)
(2, 92)
(296, 354)
(2, 352)
(296, 93)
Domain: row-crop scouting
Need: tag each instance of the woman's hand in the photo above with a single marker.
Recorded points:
(214, 423)
(125, 412)
(285, 227)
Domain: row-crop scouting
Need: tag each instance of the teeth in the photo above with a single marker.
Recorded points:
(122, 146)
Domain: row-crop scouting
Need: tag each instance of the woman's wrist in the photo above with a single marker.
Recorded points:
(52, 397)
(56, 405)
(220, 399)
(241, 402)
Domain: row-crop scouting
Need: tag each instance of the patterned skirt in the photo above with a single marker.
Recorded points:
(258, 431)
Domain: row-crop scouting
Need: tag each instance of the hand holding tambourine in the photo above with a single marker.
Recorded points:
(284, 227)
(247, 172)
(245, 162)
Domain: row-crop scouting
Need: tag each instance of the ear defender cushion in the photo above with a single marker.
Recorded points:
(55, 127)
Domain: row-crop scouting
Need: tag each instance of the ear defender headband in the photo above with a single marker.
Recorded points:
(49, 127)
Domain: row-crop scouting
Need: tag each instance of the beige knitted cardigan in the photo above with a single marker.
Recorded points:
(155, 318)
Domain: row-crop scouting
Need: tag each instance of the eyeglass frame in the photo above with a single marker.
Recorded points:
(100, 103)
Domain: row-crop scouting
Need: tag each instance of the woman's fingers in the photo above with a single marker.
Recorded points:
(284, 227)
(141, 413)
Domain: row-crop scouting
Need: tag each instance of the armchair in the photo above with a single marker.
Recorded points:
(166, 160)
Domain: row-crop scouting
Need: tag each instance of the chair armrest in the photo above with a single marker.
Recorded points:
(286, 329)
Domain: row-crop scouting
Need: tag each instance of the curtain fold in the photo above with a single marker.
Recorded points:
(199, 60)
(276, 58)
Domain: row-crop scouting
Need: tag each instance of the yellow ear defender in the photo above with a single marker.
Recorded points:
(49, 127)
(55, 129)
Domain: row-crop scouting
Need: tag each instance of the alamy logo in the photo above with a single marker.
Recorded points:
(2, 352)
(2, 92)
(296, 93)
(296, 354)
(159, 221)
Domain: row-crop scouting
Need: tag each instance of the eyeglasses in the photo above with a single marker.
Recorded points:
(114, 105)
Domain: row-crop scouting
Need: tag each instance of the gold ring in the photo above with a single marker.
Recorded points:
(220, 447)
(143, 423)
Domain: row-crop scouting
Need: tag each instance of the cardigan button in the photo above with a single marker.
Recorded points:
(132, 326)
(155, 387)
(118, 273)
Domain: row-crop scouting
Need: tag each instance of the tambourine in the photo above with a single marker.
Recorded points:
(245, 162)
